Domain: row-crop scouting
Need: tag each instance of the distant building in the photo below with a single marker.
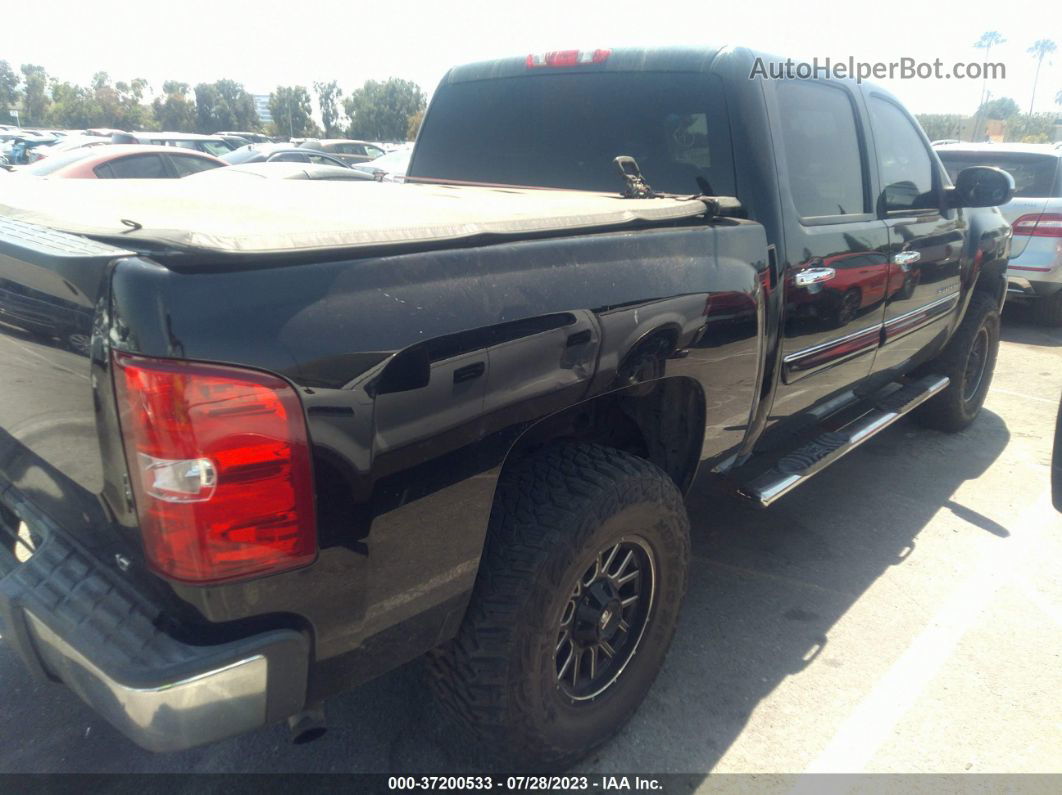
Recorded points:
(261, 105)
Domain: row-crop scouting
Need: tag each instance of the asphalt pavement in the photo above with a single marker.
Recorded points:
(901, 612)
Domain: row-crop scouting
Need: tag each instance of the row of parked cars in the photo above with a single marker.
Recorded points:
(152, 155)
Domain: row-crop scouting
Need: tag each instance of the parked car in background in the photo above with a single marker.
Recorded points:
(349, 151)
(387, 168)
(124, 161)
(19, 146)
(66, 144)
(1034, 274)
(283, 153)
(249, 137)
(211, 144)
(286, 170)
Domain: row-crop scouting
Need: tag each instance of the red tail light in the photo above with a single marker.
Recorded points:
(562, 58)
(1039, 225)
(220, 464)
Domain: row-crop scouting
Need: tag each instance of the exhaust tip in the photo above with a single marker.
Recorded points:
(308, 725)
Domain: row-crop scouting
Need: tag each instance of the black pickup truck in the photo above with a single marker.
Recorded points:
(262, 444)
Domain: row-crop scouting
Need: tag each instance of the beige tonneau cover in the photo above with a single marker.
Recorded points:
(242, 216)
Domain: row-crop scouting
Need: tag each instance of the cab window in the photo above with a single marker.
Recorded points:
(822, 149)
(903, 160)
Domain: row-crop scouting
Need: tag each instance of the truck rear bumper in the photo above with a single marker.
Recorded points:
(72, 621)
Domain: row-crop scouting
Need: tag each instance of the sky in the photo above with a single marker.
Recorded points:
(265, 43)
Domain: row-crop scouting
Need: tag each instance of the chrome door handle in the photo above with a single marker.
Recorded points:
(906, 257)
(810, 276)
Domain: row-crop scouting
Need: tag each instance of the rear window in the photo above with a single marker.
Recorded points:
(564, 130)
(1035, 176)
(133, 167)
(187, 164)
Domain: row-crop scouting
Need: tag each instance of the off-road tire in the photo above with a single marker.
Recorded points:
(959, 404)
(499, 676)
(1048, 309)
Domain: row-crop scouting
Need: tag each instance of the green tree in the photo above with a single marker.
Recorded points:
(1030, 128)
(9, 94)
(73, 106)
(1039, 50)
(380, 111)
(224, 105)
(941, 125)
(35, 98)
(988, 40)
(174, 111)
(290, 107)
(1000, 108)
(328, 96)
(413, 126)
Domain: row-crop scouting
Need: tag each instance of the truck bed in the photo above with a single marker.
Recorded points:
(255, 217)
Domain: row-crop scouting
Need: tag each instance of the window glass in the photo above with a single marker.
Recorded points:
(565, 130)
(373, 152)
(136, 167)
(324, 160)
(903, 160)
(187, 164)
(819, 134)
(290, 157)
(1034, 175)
(216, 148)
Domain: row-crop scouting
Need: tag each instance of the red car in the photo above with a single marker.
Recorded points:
(124, 161)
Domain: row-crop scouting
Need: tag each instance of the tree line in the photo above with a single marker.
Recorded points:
(1017, 126)
(388, 110)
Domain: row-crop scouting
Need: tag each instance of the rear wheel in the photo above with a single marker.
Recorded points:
(969, 361)
(574, 609)
(1048, 310)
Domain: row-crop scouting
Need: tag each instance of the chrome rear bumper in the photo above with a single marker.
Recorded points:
(73, 621)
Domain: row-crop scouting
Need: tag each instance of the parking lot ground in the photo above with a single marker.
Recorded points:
(900, 613)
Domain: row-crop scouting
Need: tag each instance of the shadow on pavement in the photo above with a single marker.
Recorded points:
(766, 587)
(1019, 326)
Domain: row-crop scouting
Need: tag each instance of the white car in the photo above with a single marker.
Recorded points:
(1035, 214)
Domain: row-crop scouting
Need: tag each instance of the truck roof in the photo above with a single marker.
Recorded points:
(290, 216)
(621, 59)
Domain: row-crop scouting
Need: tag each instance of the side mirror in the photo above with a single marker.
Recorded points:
(981, 186)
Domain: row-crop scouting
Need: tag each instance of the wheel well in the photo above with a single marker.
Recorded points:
(662, 421)
(994, 283)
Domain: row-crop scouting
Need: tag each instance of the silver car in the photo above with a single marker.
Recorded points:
(1035, 215)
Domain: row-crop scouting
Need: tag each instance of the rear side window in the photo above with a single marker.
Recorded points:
(564, 130)
(133, 167)
(216, 148)
(186, 164)
(291, 157)
(904, 163)
(822, 149)
(1035, 176)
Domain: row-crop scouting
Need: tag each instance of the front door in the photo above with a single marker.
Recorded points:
(925, 242)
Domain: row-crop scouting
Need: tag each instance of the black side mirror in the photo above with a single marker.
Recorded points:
(981, 186)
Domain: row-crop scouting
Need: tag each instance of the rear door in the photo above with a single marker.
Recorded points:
(837, 268)
(925, 242)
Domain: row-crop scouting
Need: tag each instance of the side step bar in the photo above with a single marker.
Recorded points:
(803, 463)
